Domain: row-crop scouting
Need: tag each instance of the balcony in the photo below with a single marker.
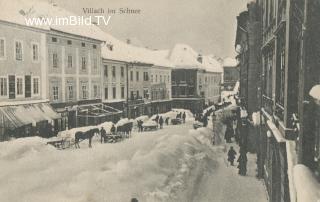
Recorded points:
(267, 104)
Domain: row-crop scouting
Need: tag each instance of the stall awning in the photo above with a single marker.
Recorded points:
(16, 116)
(97, 110)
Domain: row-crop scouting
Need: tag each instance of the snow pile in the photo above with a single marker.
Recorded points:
(307, 187)
(149, 123)
(170, 115)
(154, 166)
(122, 122)
(106, 125)
(23, 148)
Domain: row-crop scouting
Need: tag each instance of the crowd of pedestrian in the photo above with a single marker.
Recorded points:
(236, 127)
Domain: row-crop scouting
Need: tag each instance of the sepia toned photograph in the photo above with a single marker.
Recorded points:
(159, 101)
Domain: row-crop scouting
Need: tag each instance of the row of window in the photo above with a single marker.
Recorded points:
(71, 92)
(69, 42)
(70, 62)
(134, 95)
(113, 69)
(114, 92)
(19, 50)
(19, 86)
(162, 78)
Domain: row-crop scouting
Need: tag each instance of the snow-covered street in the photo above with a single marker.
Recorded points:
(176, 163)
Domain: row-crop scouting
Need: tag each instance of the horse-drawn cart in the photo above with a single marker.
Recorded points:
(60, 143)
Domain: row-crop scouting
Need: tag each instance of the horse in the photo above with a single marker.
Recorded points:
(85, 135)
(125, 129)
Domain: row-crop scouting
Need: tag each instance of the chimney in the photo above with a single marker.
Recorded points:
(199, 59)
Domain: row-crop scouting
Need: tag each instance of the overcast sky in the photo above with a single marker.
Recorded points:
(206, 25)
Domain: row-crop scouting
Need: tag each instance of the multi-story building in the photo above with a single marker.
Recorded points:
(231, 74)
(247, 43)
(279, 43)
(212, 79)
(114, 83)
(74, 74)
(190, 79)
(160, 79)
(185, 80)
(288, 144)
(139, 87)
(24, 108)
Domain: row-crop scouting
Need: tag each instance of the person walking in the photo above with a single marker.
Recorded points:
(161, 122)
(242, 160)
(231, 155)
(103, 135)
(184, 117)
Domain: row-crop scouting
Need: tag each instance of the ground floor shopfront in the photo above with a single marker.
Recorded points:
(85, 113)
(195, 105)
(161, 106)
(28, 119)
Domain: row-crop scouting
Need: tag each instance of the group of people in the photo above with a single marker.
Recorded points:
(240, 135)
(242, 160)
(182, 116)
(103, 133)
(202, 118)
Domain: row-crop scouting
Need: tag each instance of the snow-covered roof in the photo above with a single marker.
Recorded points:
(230, 62)
(182, 55)
(117, 50)
(212, 64)
(18, 10)
(315, 92)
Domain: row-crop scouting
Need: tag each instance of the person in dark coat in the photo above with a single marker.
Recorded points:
(161, 122)
(184, 117)
(205, 121)
(242, 160)
(140, 122)
(167, 121)
(231, 155)
(103, 134)
(113, 129)
(157, 118)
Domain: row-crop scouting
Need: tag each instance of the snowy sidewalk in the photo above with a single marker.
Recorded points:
(225, 184)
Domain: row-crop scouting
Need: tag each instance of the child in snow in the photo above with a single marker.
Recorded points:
(231, 155)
